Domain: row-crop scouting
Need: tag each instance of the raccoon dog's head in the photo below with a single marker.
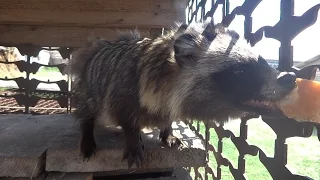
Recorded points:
(221, 77)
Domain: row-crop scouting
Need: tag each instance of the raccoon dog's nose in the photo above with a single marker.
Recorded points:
(287, 79)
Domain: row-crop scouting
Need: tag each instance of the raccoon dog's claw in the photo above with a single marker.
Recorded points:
(134, 154)
(168, 139)
(172, 141)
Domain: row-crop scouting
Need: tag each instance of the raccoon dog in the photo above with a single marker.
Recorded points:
(199, 71)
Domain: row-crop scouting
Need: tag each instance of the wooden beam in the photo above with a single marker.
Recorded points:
(11, 35)
(99, 13)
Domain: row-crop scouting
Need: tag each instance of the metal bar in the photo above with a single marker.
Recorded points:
(286, 49)
(27, 88)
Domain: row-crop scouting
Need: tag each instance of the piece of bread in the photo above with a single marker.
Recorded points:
(303, 103)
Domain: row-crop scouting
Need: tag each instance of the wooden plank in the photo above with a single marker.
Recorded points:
(173, 174)
(56, 36)
(178, 174)
(95, 6)
(42, 176)
(136, 173)
(23, 145)
(120, 13)
(70, 176)
(63, 155)
(10, 120)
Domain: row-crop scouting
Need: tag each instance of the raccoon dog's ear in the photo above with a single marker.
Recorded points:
(186, 49)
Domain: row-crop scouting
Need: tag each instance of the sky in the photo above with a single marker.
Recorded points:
(305, 45)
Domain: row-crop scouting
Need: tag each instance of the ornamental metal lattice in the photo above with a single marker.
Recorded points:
(288, 27)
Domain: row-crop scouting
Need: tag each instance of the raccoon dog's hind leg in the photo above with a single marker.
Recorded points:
(87, 144)
(84, 112)
(87, 141)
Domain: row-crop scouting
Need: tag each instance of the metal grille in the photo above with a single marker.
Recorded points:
(284, 31)
(27, 97)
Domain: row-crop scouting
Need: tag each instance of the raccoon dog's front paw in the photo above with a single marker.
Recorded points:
(134, 153)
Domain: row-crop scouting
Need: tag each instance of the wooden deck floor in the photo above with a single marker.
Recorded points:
(31, 145)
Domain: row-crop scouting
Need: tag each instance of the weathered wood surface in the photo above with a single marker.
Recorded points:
(173, 174)
(24, 140)
(11, 35)
(178, 174)
(103, 13)
(42, 176)
(63, 155)
(29, 143)
(56, 176)
(70, 176)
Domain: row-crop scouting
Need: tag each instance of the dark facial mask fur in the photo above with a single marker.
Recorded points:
(200, 71)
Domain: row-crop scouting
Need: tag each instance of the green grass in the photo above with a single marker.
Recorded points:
(42, 72)
(303, 153)
(3, 89)
(47, 71)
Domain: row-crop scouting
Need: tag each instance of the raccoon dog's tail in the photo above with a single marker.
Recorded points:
(83, 55)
